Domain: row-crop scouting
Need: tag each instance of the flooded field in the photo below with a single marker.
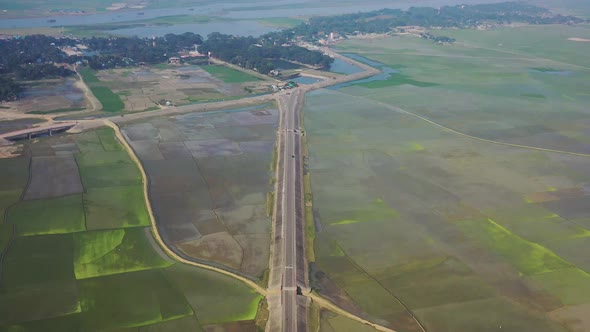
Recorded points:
(50, 96)
(417, 225)
(78, 255)
(140, 88)
(7, 126)
(209, 178)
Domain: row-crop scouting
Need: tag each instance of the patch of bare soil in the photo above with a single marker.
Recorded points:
(220, 247)
(575, 317)
(9, 151)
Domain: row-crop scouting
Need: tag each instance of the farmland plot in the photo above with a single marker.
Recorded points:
(418, 224)
(85, 261)
(209, 175)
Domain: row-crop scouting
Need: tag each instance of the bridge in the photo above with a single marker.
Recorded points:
(41, 131)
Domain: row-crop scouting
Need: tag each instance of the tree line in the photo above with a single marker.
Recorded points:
(38, 57)
(257, 53)
(460, 16)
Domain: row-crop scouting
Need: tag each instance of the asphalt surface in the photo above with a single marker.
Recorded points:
(290, 138)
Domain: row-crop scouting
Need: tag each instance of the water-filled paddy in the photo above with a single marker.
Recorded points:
(209, 175)
(408, 211)
(85, 260)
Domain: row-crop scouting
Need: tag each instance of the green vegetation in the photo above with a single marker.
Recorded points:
(99, 157)
(106, 301)
(36, 260)
(111, 102)
(571, 286)
(8, 198)
(238, 302)
(331, 322)
(96, 280)
(270, 201)
(48, 216)
(518, 318)
(409, 220)
(529, 258)
(111, 207)
(458, 16)
(110, 175)
(229, 75)
(59, 110)
(5, 236)
(258, 53)
(9, 89)
(88, 75)
(107, 252)
(376, 212)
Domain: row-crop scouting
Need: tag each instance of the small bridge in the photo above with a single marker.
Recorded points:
(37, 131)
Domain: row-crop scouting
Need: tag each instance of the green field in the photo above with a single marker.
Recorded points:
(107, 252)
(448, 225)
(59, 110)
(86, 262)
(113, 207)
(229, 75)
(106, 301)
(111, 102)
(239, 303)
(88, 75)
(48, 216)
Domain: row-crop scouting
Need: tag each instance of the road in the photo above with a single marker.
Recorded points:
(291, 140)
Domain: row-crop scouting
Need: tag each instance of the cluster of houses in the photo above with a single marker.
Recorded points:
(286, 86)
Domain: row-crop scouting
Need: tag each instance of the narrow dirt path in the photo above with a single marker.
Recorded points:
(336, 309)
(94, 102)
(154, 227)
(458, 133)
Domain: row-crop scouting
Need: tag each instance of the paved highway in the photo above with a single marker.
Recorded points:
(290, 140)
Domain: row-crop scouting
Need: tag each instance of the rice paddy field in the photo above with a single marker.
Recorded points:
(418, 226)
(139, 89)
(77, 253)
(49, 96)
(209, 177)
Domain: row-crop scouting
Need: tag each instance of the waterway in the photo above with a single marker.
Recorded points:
(306, 80)
(250, 10)
(386, 72)
(342, 67)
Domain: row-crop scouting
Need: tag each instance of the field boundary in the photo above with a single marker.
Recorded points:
(453, 131)
(94, 102)
(7, 248)
(154, 227)
(322, 302)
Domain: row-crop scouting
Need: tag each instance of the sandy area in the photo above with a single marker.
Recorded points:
(10, 151)
(576, 39)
